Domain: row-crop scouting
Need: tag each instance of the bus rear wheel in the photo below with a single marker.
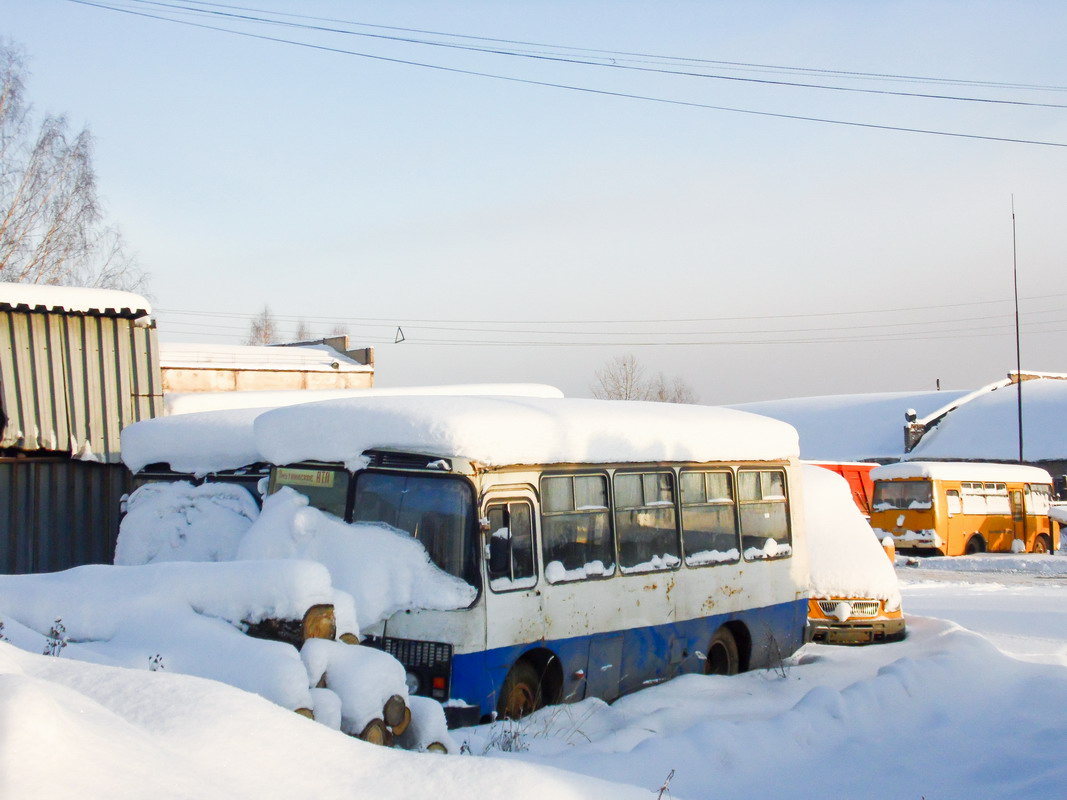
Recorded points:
(975, 545)
(521, 694)
(722, 657)
(1042, 544)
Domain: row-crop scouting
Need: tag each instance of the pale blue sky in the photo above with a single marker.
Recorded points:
(328, 186)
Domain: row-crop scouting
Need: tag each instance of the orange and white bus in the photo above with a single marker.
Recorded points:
(956, 508)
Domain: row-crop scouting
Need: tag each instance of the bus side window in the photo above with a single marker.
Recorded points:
(645, 521)
(764, 517)
(509, 549)
(575, 528)
(953, 502)
(709, 518)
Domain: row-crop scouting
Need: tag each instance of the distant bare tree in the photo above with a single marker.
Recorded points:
(303, 332)
(623, 378)
(339, 329)
(263, 329)
(51, 223)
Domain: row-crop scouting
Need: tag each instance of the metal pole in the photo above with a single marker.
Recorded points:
(1018, 350)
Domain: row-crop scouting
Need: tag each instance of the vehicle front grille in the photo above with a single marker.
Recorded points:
(860, 608)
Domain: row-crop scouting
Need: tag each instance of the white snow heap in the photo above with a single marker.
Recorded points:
(190, 615)
(209, 441)
(384, 569)
(518, 430)
(363, 678)
(182, 522)
(844, 556)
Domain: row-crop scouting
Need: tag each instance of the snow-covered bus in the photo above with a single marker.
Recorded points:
(612, 544)
(956, 508)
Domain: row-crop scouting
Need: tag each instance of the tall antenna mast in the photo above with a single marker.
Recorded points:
(1018, 350)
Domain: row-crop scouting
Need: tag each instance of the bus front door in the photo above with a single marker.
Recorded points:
(513, 612)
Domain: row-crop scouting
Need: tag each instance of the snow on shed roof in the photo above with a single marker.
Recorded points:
(987, 428)
(961, 471)
(72, 300)
(190, 402)
(305, 358)
(515, 430)
(851, 427)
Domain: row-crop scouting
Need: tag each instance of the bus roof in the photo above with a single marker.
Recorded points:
(961, 471)
(498, 431)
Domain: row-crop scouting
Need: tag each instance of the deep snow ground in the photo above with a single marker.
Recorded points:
(947, 713)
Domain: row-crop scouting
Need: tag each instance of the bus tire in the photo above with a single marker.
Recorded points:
(976, 544)
(521, 694)
(1042, 544)
(723, 658)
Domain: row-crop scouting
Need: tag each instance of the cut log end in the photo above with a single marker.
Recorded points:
(375, 732)
(393, 712)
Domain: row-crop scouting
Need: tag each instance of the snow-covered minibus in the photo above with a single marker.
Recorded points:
(612, 544)
(955, 508)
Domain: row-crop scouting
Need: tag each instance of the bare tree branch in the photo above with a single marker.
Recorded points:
(51, 228)
(623, 378)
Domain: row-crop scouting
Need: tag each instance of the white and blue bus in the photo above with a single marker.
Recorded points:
(613, 544)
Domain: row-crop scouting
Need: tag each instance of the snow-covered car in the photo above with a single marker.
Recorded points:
(855, 597)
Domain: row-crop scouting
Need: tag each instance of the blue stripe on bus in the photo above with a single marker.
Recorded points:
(621, 662)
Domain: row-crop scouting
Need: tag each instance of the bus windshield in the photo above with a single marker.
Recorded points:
(438, 511)
(902, 495)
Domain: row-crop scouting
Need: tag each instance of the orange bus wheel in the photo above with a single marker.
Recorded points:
(1042, 544)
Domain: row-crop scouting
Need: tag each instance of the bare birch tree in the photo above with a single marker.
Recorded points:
(263, 329)
(623, 378)
(51, 223)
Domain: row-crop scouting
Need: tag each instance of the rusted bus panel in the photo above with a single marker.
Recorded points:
(71, 382)
(56, 513)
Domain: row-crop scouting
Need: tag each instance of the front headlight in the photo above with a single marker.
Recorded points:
(412, 681)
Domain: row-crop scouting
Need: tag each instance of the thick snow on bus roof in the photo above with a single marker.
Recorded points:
(961, 471)
(72, 299)
(512, 430)
(190, 402)
(209, 441)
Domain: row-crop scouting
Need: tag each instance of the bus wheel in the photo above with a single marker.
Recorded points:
(521, 694)
(722, 654)
(975, 545)
(1042, 544)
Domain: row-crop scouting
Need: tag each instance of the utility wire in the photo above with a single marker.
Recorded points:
(612, 64)
(576, 88)
(627, 54)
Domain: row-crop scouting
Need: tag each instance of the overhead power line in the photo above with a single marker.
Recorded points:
(605, 62)
(574, 87)
(617, 54)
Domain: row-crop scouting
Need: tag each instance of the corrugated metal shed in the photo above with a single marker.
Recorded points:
(57, 513)
(73, 374)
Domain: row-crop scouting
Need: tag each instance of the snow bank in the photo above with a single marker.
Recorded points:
(822, 714)
(76, 730)
(188, 615)
(844, 556)
(210, 441)
(502, 430)
(1037, 565)
(428, 726)
(181, 522)
(384, 569)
